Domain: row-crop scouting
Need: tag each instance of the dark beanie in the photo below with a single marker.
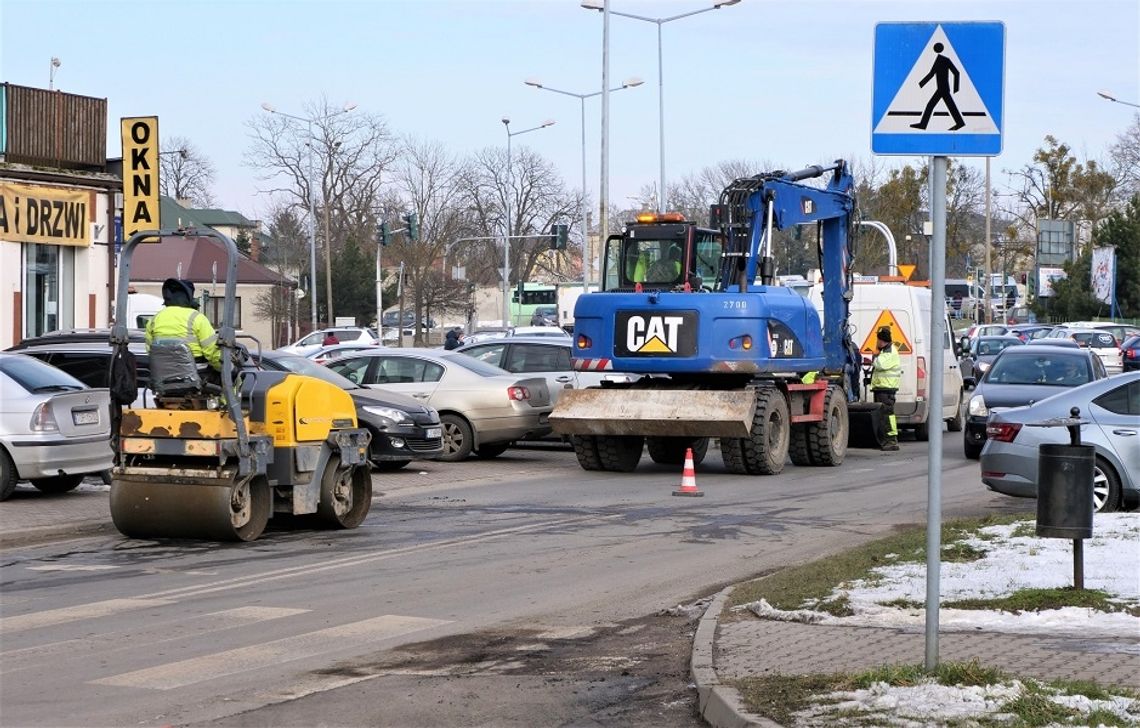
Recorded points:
(884, 333)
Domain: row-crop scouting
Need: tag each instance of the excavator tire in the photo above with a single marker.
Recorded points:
(798, 449)
(671, 450)
(220, 509)
(586, 450)
(346, 495)
(827, 440)
(766, 449)
(620, 453)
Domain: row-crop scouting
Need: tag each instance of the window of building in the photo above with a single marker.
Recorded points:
(214, 307)
(49, 288)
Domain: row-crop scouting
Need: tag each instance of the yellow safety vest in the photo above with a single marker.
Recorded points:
(886, 370)
(190, 326)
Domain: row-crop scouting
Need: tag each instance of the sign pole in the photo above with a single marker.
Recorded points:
(934, 407)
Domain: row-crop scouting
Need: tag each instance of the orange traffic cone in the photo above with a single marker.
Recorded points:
(688, 478)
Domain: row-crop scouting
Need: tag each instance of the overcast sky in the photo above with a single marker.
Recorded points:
(780, 80)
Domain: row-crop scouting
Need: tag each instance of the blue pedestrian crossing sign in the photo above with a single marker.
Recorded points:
(938, 89)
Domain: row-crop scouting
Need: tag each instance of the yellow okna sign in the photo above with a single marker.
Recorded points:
(39, 214)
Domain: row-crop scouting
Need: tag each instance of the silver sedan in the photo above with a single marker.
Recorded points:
(483, 408)
(1112, 409)
(54, 429)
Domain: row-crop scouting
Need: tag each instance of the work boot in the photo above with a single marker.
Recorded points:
(891, 445)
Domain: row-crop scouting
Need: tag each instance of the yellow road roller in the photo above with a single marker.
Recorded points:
(217, 461)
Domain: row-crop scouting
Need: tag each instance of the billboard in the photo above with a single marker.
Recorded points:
(44, 214)
(1045, 278)
(1103, 273)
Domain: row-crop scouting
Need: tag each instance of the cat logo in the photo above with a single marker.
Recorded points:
(652, 334)
(807, 204)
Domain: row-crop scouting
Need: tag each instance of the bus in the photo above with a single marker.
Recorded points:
(526, 297)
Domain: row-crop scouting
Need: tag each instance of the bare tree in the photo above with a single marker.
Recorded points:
(185, 173)
(1125, 156)
(538, 198)
(351, 152)
(286, 252)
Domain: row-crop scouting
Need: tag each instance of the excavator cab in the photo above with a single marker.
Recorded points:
(662, 252)
(216, 462)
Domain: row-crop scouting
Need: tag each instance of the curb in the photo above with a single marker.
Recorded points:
(37, 535)
(720, 705)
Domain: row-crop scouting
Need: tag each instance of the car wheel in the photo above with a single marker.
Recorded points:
(57, 483)
(1106, 487)
(973, 452)
(387, 466)
(492, 450)
(954, 424)
(7, 476)
(922, 432)
(457, 438)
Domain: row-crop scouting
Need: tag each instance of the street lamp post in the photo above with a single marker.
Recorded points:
(309, 194)
(1110, 97)
(628, 83)
(600, 5)
(507, 235)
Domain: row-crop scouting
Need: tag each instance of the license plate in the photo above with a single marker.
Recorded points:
(86, 417)
(433, 432)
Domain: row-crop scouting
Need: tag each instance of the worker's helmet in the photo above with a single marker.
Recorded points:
(178, 292)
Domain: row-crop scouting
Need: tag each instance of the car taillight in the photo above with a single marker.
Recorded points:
(518, 394)
(43, 420)
(1003, 431)
(584, 341)
(1131, 353)
(922, 376)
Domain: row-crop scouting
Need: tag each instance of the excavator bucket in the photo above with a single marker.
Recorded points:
(653, 413)
(866, 430)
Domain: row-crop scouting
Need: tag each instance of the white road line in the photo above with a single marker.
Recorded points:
(230, 662)
(71, 567)
(116, 641)
(79, 612)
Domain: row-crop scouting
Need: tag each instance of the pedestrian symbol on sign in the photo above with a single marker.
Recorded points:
(940, 72)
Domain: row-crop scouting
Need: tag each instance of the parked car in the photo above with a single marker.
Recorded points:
(1120, 331)
(983, 350)
(1022, 375)
(403, 429)
(344, 335)
(1130, 350)
(544, 316)
(1020, 315)
(54, 429)
(327, 353)
(397, 438)
(977, 330)
(483, 408)
(1111, 408)
(393, 319)
(486, 334)
(552, 332)
(1101, 343)
(1028, 332)
(540, 355)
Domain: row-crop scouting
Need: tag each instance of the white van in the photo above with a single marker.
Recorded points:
(907, 310)
(141, 308)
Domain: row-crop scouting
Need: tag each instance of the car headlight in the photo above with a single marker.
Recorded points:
(983, 366)
(389, 413)
(977, 406)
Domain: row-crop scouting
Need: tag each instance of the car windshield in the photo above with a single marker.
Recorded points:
(989, 347)
(38, 377)
(1095, 340)
(481, 368)
(301, 365)
(1052, 368)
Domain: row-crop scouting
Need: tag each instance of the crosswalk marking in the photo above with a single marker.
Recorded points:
(230, 662)
(159, 633)
(52, 617)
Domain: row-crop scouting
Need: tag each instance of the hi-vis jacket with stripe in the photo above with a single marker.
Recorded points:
(186, 324)
(886, 371)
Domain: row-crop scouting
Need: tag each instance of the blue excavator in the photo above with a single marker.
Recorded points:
(721, 349)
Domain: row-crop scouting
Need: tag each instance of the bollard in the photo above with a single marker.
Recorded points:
(1065, 490)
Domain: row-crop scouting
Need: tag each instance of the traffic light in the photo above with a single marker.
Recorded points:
(413, 226)
(559, 236)
(383, 236)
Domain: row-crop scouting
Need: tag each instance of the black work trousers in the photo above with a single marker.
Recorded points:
(886, 397)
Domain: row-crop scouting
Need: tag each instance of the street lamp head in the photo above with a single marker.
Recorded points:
(1106, 95)
(593, 4)
(54, 62)
(725, 4)
(533, 82)
(506, 121)
(349, 106)
(268, 107)
(631, 82)
(548, 122)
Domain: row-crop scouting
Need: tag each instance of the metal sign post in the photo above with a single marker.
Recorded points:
(938, 91)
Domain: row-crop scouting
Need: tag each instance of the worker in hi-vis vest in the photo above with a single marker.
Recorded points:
(886, 374)
(180, 319)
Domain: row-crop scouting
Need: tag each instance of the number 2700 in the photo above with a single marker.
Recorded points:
(736, 304)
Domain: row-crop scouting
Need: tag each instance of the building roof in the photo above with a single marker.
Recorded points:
(213, 216)
(197, 255)
(176, 216)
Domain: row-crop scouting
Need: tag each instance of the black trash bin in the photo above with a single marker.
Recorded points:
(1065, 491)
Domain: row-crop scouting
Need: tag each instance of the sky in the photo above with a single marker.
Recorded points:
(782, 81)
(1011, 563)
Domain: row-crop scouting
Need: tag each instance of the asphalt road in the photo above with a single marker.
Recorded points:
(519, 591)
